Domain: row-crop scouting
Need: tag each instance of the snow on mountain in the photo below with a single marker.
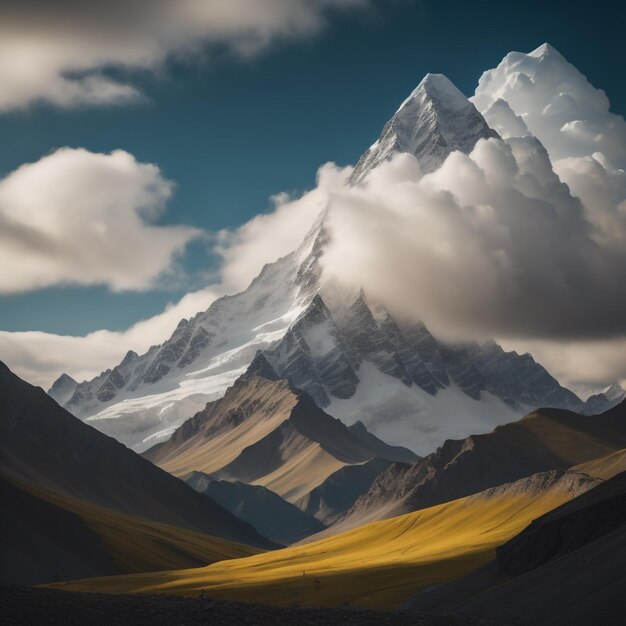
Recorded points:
(406, 386)
(557, 103)
(144, 398)
(433, 121)
(350, 355)
(605, 400)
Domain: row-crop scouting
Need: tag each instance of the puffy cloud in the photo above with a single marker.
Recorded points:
(491, 244)
(499, 243)
(268, 237)
(60, 52)
(77, 217)
(556, 103)
(546, 95)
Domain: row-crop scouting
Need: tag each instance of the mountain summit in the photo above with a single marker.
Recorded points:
(433, 121)
(350, 355)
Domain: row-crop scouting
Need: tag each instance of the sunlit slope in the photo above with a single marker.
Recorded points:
(379, 565)
(266, 432)
(605, 467)
(48, 536)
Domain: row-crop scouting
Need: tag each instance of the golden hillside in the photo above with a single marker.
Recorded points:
(378, 565)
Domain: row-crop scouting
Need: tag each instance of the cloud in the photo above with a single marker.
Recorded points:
(268, 237)
(511, 242)
(78, 217)
(556, 103)
(585, 366)
(491, 244)
(62, 52)
(40, 357)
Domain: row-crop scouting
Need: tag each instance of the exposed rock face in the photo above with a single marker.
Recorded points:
(549, 439)
(63, 389)
(324, 352)
(432, 122)
(312, 356)
(607, 399)
(567, 528)
(269, 433)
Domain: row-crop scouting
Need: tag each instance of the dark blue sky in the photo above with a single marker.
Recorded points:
(230, 134)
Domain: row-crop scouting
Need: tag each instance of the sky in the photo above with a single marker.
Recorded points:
(215, 111)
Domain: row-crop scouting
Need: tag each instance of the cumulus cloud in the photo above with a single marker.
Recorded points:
(556, 103)
(268, 237)
(521, 240)
(78, 217)
(491, 244)
(61, 52)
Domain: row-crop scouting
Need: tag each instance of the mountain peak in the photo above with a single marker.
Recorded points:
(435, 120)
(441, 88)
(545, 49)
(614, 392)
(63, 388)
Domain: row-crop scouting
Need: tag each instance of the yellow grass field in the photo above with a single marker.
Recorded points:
(379, 565)
(605, 467)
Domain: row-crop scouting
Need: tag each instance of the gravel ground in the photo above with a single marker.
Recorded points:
(34, 607)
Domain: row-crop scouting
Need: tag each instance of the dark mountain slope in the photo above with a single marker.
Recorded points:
(46, 537)
(272, 516)
(41, 443)
(330, 500)
(567, 567)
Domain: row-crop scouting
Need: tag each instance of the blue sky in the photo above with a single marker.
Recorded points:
(230, 133)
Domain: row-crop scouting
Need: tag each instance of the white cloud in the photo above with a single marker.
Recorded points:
(77, 217)
(60, 52)
(557, 104)
(268, 237)
(41, 357)
(493, 244)
(585, 366)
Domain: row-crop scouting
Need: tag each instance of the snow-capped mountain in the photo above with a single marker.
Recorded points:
(401, 382)
(433, 121)
(605, 400)
(349, 354)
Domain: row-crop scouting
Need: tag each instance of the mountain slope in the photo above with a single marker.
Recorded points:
(338, 493)
(378, 565)
(272, 516)
(351, 356)
(268, 433)
(145, 397)
(407, 387)
(565, 561)
(433, 121)
(48, 537)
(42, 444)
(544, 440)
(604, 467)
